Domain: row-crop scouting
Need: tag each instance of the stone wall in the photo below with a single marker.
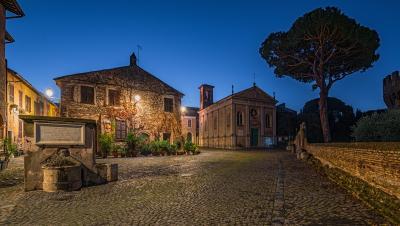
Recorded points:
(371, 172)
(145, 116)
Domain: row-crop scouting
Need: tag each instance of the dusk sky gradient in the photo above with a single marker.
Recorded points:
(186, 43)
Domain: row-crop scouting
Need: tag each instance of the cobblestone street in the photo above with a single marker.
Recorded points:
(215, 187)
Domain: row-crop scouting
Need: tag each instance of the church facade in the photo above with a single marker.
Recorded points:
(246, 119)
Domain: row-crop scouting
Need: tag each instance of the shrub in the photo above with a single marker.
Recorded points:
(154, 147)
(172, 149)
(190, 147)
(164, 146)
(133, 142)
(145, 150)
(105, 142)
(378, 127)
(11, 148)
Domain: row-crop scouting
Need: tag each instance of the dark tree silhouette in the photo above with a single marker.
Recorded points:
(322, 47)
(341, 120)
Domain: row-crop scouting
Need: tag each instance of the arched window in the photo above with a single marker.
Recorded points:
(239, 118)
(189, 137)
(267, 121)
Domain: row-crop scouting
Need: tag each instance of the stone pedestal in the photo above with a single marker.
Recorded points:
(109, 172)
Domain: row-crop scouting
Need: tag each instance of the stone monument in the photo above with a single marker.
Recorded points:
(56, 136)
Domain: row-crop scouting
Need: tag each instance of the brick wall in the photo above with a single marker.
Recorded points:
(380, 169)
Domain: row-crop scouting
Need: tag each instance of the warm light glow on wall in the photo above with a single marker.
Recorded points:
(183, 109)
(137, 98)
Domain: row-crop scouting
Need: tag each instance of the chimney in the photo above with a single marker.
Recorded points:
(133, 59)
(206, 95)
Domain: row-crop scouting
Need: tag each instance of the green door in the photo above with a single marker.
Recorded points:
(254, 137)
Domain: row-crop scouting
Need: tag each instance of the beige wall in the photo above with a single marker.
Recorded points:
(192, 129)
(15, 108)
(218, 127)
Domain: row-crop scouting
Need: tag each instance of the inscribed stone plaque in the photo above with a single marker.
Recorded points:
(56, 133)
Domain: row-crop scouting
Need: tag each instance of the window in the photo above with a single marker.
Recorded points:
(120, 129)
(20, 129)
(113, 97)
(11, 94)
(20, 98)
(189, 123)
(267, 121)
(168, 105)
(87, 94)
(215, 123)
(239, 118)
(28, 104)
(166, 136)
(36, 108)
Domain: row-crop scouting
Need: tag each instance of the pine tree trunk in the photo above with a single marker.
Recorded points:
(323, 114)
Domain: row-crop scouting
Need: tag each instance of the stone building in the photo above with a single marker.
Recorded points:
(24, 99)
(246, 119)
(190, 124)
(123, 99)
(391, 90)
(6, 6)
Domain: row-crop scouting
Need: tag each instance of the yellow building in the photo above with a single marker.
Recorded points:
(24, 99)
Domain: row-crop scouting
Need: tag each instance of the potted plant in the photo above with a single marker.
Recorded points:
(105, 142)
(123, 151)
(191, 148)
(145, 150)
(155, 148)
(133, 142)
(61, 173)
(115, 150)
(11, 148)
(164, 147)
(173, 149)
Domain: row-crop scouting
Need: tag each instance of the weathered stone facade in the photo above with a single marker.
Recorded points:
(139, 100)
(246, 119)
(391, 90)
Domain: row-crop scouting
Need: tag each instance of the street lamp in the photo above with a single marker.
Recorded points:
(137, 98)
(183, 109)
(49, 93)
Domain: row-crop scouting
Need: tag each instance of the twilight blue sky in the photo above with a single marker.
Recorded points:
(189, 42)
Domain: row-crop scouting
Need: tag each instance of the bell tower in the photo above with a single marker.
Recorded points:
(206, 95)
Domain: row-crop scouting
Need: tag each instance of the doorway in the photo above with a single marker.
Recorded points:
(254, 137)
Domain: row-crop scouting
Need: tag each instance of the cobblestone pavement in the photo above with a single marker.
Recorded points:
(215, 187)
